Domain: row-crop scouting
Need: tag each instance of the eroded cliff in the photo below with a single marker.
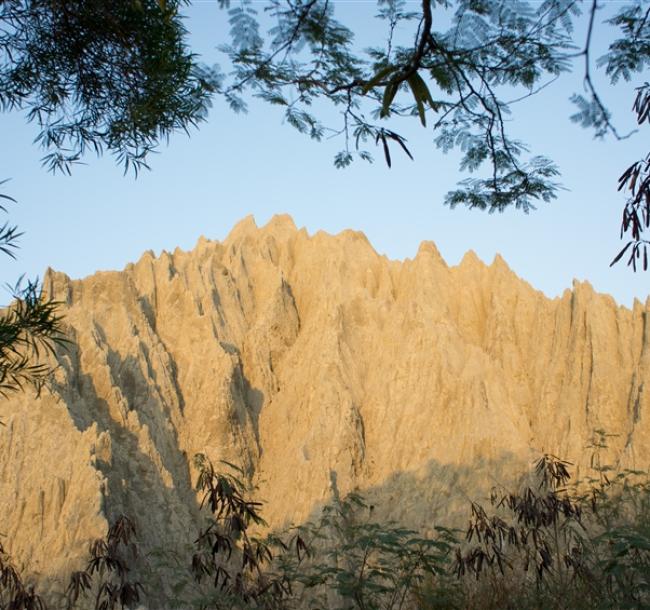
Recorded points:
(307, 360)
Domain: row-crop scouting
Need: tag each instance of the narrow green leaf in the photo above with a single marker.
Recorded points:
(378, 77)
(416, 83)
(389, 96)
(620, 254)
(425, 94)
(386, 151)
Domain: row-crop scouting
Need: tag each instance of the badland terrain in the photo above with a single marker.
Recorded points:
(319, 367)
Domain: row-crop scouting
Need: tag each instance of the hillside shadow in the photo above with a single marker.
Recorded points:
(252, 397)
(166, 510)
(437, 494)
(154, 489)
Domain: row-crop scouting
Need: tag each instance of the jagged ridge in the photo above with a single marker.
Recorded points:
(308, 359)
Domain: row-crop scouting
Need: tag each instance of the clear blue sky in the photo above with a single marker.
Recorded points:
(236, 165)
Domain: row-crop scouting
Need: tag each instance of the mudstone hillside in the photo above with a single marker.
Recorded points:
(319, 367)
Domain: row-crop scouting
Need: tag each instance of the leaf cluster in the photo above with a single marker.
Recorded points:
(235, 562)
(94, 75)
(561, 544)
(106, 577)
(29, 328)
(370, 565)
(552, 544)
(540, 530)
(635, 180)
(344, 557)
(15, 594)
(459, 74)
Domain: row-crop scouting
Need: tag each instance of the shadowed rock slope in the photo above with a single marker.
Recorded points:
(308, 360)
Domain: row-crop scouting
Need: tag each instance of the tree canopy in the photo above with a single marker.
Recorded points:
(120, 77)
(114, 76)
(29, 327)
(105, 76)
(459, 67)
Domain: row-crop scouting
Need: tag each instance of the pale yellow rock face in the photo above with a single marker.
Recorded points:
(307, 360)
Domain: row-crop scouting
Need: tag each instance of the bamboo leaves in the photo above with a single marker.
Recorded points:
(421, 94)
(419, 89)
(384, 135)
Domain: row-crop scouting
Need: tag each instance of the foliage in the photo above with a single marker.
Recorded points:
(464, 75)
(458, 66)
(549, 545)
(362, 563)
(14, 593)
(97, 75)
(343, 559)
(562, 545)
(226, 551)
(92, 75)
(620, 502)
(29, 327)
(536, 538)
(552, 544)
(636, 181)
(106, 575)
(119, 77)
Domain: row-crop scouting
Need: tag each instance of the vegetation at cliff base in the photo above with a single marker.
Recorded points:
(550, 544)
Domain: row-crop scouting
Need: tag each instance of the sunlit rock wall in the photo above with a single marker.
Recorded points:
(311, 361)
